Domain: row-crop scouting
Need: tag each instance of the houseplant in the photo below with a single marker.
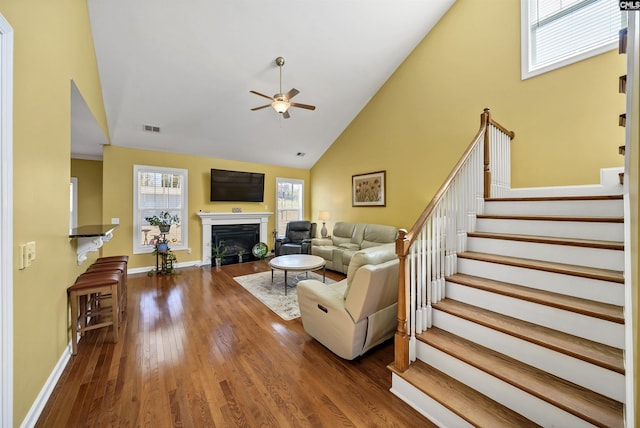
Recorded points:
(165, 258)
(219, 250)
(163, 221)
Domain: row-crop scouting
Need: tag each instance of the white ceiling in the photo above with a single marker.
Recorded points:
(188, 67)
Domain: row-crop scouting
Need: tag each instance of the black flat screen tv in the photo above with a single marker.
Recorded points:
(236, 186)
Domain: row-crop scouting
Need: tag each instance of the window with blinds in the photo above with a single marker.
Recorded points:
(556, 33)
(157, 190)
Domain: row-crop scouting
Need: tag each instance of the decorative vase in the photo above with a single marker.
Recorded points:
(239, 258)
(163, 247)
(164, 228)
(218, 261)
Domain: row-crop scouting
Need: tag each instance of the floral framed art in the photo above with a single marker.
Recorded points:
(368, 190)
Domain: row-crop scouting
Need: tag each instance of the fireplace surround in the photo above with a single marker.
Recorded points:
(210, 219)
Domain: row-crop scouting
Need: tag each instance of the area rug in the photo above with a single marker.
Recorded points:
(272, 294)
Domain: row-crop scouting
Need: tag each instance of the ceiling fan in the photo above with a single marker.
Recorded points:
(281, 102)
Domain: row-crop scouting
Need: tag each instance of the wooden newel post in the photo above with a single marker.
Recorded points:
(485, 119)
(401, 340)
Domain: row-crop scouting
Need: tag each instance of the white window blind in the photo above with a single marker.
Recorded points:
(158, 189)
(556, 33)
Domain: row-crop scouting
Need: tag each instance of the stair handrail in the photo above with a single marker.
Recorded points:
(404, 342)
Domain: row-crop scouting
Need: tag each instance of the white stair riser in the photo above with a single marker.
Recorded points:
(514, 398)
(596, 378)
(425, 405)
(595, 208)
(560, 229)
(597, 330)
(581, 256)
(586, 288)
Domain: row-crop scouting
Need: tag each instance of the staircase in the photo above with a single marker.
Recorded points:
(531, 331)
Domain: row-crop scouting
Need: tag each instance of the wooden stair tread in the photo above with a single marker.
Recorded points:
(556, 198)
(584, 403)
(469, 404)
(575, 270)
(595, 353)
(552, 218)
(575, 242)
(604, 311)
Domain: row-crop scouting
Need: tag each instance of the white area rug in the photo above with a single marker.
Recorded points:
(272, 294)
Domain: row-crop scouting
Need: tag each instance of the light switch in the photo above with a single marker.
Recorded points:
(29, 253)
(115, 220)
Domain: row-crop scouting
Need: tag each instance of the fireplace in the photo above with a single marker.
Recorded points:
(211, 220)
(236, 238)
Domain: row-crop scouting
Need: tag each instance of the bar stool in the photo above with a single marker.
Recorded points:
(108, 259)
(84, 296)
(120, 268)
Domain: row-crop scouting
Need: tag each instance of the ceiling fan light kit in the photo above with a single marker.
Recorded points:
(281, 102)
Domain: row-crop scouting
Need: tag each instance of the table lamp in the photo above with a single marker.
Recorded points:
(324, 216)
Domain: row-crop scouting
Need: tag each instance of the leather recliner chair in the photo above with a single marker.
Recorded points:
(354, 315)
(297, 238)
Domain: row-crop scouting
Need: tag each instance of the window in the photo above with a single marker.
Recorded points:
(289, 202)
(157, 189)
(556, 33)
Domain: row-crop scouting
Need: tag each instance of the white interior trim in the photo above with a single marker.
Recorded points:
(6, 223)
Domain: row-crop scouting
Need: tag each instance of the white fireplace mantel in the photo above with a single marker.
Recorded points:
(213, 219)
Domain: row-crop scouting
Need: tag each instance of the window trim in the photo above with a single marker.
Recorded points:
(184, 212)
(527, 70)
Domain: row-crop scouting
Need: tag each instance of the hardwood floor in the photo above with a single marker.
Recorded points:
(197, 350)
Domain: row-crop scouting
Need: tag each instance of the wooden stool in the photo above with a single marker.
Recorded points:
(121, 268)
(84, 297)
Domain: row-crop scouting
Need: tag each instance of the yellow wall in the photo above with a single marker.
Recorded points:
(52, 46)
(426, 114)
(89, 175)
(118, 195)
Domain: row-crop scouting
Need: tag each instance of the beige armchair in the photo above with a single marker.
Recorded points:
(354, 315)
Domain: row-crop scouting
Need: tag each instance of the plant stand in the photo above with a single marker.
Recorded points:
(164, 257)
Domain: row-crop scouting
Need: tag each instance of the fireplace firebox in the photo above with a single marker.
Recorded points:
(236, 238)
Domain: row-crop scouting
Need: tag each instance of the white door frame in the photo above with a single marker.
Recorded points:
(6, 223)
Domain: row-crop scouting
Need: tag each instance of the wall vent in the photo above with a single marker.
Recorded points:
(151, 128)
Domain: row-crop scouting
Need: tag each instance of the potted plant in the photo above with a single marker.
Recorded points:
(163, 221)
(165, 258)
(219, 250)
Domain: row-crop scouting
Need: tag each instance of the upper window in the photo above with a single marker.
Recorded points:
(556, 33)
(157, 190)
(289, 202)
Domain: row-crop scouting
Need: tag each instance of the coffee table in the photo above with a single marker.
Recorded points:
(297, 263)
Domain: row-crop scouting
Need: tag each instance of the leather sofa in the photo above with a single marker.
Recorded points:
(347, 239)
(355, 314)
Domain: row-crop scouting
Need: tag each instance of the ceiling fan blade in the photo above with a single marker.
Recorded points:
(307, 106)
(261, 107)
(292, 93)
(286, 114)
(261, 95)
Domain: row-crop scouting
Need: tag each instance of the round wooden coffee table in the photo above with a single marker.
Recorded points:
(296, 263)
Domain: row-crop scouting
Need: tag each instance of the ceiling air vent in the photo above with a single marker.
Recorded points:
(151, 128)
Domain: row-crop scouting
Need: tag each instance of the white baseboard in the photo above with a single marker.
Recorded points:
(193, 263)
(41, 400)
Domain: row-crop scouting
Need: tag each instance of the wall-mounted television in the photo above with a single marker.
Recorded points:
(236, 186)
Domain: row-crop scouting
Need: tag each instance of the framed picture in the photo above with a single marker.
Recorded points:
(368, 190)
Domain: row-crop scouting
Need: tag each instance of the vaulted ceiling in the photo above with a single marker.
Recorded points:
(187, 69)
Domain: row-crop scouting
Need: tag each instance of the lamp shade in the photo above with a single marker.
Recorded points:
(280, 106)
(324, 215)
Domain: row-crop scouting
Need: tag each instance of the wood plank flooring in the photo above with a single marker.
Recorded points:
(197, 350)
